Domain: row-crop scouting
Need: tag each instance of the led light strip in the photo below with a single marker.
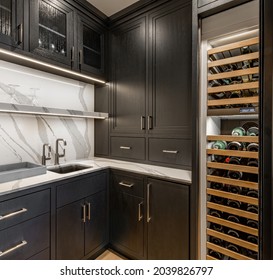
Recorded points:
(37, 62)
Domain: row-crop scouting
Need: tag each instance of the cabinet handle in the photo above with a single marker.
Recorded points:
(72, 54)
(13, 214)
(23, 243)
(142, 123)
(169, 152)
(150, 122)
(80, 58)
(125, 148)
(20, 34)
(148, 203)
(89, 211)
(84, 213)
(140, 216)
(126, 185)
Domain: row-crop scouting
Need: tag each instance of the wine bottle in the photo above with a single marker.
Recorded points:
(252, 193)
(252, 208)
(246, 64)
(234, 203)
(253, 131)
(250, 124)
(217, 95)
(219, 144)
(233, 248)
(252, 239)
(234, 189)
(218, 199)
(253, 147)
(252, 223)
(216, 241)
(215, 226)
(238, 131)
(215, 255)
(234, 145)
(252, 254)
(250, 176)
(232, 173)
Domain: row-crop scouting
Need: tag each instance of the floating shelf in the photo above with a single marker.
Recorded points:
(45, 111)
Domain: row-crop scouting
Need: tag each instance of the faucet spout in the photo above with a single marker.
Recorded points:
(44, 157)
(57, 154)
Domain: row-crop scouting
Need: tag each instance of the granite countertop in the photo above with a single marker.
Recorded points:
(97, 164)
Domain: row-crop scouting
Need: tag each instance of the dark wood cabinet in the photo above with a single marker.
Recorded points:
(128, 74)
(170, 70)
(168, 220)
(25, 225)
(149, 218)
(90, 44)
(12, 23)
(127, 215)
(82, 215)
(51, 35)
(151, 84)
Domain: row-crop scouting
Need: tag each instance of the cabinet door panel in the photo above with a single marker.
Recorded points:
(70, 232)
(126, 230)
(51, 34)
(129, 77)
(96, 224)
(170, 79)
(168, 228)
(11, 23)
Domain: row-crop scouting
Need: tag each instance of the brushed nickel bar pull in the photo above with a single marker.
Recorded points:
(72, 54)
(13, 214)
(140, 216)
(125, 148)
(169, 152)
(142, 122)
(148, 203)
(89, 211)
(126, 185)
(20, 34)
(23, 243)
(150, 122)
(84, 213)
(80, 58)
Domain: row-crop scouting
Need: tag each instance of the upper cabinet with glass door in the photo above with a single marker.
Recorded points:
(51, 30)
(11, 23)
(90, 40)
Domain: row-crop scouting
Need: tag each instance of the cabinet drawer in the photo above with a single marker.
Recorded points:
(171, 151)
(44, 255)
(20, 209)
(26, 239)
(128, 147)
(202, 3)
(80, 188)
(128, 184)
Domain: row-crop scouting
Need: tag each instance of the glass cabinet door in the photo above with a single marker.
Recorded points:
(91, 46)
(51, 30)
(11, 23)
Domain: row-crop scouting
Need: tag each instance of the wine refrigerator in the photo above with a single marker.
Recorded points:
(229, 143)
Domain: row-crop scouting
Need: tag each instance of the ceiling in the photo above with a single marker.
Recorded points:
(110, 7)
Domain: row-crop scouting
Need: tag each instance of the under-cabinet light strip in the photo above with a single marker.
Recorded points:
(24, 58)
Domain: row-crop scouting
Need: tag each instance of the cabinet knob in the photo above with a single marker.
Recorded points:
(84, 213)
(126, 185)
(140, 215)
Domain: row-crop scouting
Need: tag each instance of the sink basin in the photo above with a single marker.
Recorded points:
(17, 171)
(68, 168)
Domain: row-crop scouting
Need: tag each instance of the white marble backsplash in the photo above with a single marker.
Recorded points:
(22, 136)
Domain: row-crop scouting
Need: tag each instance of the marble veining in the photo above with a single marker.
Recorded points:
(22, 136)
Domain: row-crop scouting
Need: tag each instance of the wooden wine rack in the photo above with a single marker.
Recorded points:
(248, 249)
(224, 106)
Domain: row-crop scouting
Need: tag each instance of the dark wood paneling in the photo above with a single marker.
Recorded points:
(35, 204)
(168, 228)
(128, 147)
(35, 232)
(70, 231)
(96, 229)
(170, 70)
(128, 60)
(44, 255)
(170, 151)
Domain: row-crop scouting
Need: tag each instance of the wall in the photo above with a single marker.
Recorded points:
(22, 136)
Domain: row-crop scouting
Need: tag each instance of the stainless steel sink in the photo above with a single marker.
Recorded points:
(68, 168)
(17, 171)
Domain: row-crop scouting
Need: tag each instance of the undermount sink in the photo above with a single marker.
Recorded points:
(67, 168)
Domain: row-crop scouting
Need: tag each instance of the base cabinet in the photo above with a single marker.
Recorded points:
(82, 225)
(149, 218)
(168, 220)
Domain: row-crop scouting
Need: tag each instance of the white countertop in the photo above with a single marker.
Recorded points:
(97, 164)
